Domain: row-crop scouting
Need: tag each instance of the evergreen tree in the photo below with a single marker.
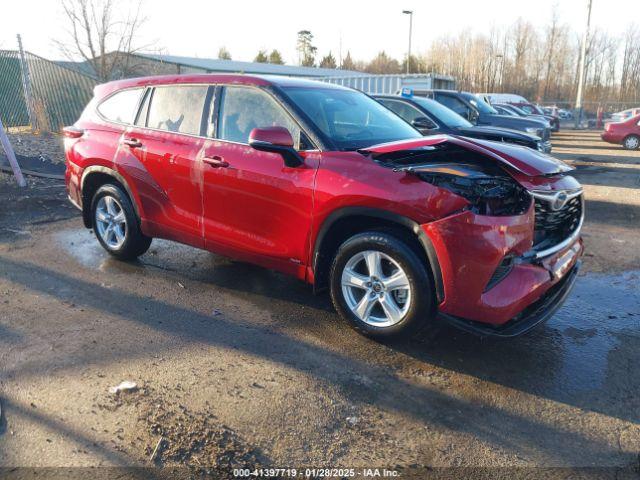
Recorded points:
(261, 57)
(275, 57)
(223, 54)
(348, 63)
(328, 62)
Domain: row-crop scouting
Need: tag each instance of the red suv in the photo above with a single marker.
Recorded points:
(324, 183)
(625, 133)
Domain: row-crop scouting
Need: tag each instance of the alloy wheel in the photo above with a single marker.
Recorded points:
(111, 222)
(632, 143)
(376, 288)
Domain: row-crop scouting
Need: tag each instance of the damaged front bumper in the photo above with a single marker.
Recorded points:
(535, 314)
(493, 282)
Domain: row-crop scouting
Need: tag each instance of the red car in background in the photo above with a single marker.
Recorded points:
(326, 184)
(626, 133)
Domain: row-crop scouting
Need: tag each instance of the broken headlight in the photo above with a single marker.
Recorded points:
(490, 191)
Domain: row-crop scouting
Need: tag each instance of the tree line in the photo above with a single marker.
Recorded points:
(540, 63)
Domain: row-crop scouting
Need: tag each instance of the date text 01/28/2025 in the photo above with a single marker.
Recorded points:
(315, 472)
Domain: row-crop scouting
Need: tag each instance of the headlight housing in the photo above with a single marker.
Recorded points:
(489, 190)
(535, 131)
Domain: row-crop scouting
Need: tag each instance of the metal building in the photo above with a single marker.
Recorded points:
(391, 84)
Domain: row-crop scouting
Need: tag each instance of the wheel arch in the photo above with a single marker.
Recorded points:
(93, 178)
(345, 222)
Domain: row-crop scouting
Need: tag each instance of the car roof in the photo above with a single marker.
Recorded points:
(214, 78)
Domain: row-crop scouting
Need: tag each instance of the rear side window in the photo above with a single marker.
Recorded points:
(244, 109)
(177, 109)
(122, 106)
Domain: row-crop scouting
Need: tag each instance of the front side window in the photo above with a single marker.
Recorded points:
(481, 105)
(244, 108)
(121, 107)
(351, 119)
(453, 103)
(447, 116)
(177, 108)
(406, 111)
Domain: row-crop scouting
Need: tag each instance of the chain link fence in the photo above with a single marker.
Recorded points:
(58, 94)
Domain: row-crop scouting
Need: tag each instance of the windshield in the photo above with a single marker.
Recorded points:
(351, 119)
(481, 105)
(447, 116)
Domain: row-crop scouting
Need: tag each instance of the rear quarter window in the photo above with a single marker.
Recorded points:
(178, 109)
(121, 107)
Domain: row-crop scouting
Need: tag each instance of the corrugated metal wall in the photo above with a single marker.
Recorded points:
(391, 84)
(59, 94)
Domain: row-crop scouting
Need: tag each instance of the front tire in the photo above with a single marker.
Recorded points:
(381, 286)
(632, 142)
(116, 225)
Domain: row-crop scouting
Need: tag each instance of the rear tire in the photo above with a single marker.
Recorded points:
(116, 224)
(632, 142)
(381, 287)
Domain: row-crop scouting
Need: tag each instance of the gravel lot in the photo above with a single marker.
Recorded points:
(236, 365)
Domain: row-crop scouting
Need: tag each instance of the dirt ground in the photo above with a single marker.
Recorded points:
(240, 366)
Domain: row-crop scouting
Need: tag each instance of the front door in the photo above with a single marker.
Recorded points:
(256, 208)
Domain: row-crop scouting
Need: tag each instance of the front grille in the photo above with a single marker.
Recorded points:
(553, 226)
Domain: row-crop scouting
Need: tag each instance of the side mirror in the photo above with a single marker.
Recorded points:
(423, 123)
(276, 140)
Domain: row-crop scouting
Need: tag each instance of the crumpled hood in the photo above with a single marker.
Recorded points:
(523, 159)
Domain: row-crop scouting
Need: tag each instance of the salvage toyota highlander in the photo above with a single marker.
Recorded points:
(324, 183)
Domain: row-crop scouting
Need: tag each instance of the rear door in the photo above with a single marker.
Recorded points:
(255, 207)
(168, 135)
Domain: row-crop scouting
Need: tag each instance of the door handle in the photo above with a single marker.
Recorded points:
(132, 142)
(215, 161)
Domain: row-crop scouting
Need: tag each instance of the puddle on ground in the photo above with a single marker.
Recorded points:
(82, 245)
(601, 319)
(593, 341)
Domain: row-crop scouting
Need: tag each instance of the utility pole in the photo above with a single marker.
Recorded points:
(583, 55)
(410, 13)
(26, 86)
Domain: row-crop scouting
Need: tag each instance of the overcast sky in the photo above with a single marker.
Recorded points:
(200, 28)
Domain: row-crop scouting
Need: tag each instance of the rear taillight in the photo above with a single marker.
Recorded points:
(72, 132)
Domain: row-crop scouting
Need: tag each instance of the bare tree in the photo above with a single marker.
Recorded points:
(104, 34)
(383, 64)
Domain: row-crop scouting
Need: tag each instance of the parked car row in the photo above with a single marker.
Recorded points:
(523, 107)
(327, 184)
(463, 113)
(431, 117)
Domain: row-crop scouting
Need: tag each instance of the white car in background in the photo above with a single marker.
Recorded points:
(625, 114)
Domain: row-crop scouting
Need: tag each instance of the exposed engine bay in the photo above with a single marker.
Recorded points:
(488, 187)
